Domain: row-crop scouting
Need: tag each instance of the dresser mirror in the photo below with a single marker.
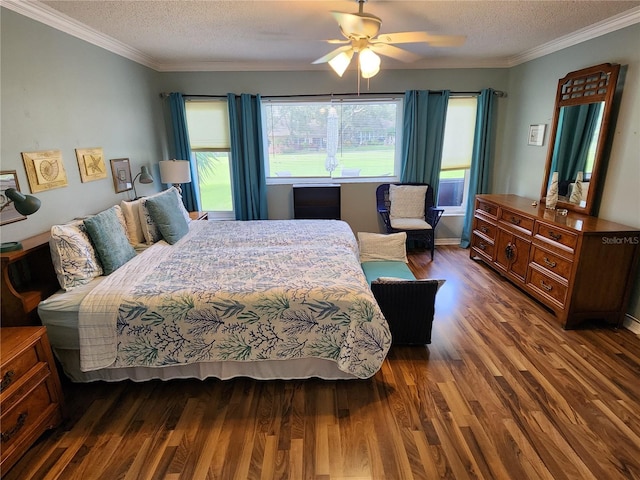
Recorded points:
(578, 136)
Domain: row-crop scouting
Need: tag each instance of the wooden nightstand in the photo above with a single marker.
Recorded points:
(31, 398)
(199, 215)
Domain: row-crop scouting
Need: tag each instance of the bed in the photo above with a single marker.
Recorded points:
(275, 299)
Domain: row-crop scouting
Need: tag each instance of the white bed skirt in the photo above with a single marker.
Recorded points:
(260, 370)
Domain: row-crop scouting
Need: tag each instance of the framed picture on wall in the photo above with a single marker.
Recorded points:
(8, 212)
(121, 171)
(91, 164)
(45, 170)
(536, 134)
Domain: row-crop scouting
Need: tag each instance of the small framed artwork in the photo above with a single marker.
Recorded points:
(45, 170)
(536, 134)
(121, 171)
(91, 164)
(8, 212)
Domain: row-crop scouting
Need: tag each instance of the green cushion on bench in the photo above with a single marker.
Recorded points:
(373, 270)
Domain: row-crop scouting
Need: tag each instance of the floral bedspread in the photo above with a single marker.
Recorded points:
(238, 291)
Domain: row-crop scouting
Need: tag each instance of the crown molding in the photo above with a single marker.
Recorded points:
(63, 23)
(617, 22)
(53, 18)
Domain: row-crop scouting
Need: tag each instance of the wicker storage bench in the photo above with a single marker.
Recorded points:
(407, 304)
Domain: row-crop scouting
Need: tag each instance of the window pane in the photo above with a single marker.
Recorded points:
(451, 188)
(214, 178)
(331, 140)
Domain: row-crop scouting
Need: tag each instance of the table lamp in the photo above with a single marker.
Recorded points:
(24, 205)
(145, 177)
(175, 172)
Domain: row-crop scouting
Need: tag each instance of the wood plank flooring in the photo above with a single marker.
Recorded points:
(501, 393)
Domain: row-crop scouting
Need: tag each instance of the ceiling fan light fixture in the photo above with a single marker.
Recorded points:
(369, 63)
(340, 62)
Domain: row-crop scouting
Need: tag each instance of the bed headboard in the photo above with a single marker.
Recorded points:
(28, 278)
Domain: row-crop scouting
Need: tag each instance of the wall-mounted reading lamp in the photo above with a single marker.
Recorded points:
(24, 205)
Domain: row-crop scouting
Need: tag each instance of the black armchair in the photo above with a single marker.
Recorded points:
(421, 232)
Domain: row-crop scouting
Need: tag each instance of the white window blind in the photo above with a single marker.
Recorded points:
(208, 125)
(459, 132)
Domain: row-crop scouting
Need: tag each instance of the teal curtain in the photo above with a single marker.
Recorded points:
(481, 159)
(182, 150)
(425, 113)
(576, 127)
(247, 157)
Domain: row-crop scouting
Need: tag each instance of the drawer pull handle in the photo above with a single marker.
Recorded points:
(482, 246)
(6, 436)
(549, 263)
(509, 251)
(7, 378)
(484, 229)
(546, 286)
(515, 221)
(555, 236)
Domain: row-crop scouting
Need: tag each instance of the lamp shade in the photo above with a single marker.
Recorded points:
(369, 63)
(340, 62)
(145, 176)
(175, 171)
(24, 204)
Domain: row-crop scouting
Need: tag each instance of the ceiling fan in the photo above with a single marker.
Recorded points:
(361, 36)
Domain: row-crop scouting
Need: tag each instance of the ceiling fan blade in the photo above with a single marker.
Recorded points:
(337, 41)
(395, 52)
(332, 54)
(421, 37)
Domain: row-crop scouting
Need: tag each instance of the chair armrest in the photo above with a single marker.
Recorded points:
(384, 213)
(432, 215)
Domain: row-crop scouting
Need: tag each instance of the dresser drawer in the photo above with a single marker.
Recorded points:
(482, 246)
(555, 236)
(485, 228)
(552, 262)
(517, 220)
(487, 208)
(547, 286)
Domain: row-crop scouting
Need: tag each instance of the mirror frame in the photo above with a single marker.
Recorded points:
(589, 85)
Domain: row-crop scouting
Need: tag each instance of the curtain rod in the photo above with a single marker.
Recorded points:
(498, 93)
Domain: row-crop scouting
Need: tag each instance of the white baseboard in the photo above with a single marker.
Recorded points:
(447, 241)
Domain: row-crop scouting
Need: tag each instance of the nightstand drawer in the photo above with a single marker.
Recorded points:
(14, 369)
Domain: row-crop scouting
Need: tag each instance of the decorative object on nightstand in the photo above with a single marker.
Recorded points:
(31, 398)
(144, 176)
(24, 205)
(199, 215)
(175, 172)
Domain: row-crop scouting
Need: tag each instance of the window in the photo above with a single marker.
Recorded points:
(208, 125)
(343, 139)
(457, 149)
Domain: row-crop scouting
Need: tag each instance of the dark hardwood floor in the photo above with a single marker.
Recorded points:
(502, 392)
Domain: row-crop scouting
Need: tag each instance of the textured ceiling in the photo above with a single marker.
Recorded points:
(286, 35)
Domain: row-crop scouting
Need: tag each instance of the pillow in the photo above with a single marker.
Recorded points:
(109, 239)
(149, 228)
(131, 212)
(380, 246)
(407, 201)
(166, 214)
(74, 258)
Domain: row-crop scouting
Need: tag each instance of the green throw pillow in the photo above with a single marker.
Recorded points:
(166, 213)
(109, 239)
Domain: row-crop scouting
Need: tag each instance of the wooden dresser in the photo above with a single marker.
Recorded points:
(579, 266)
(30, 394)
